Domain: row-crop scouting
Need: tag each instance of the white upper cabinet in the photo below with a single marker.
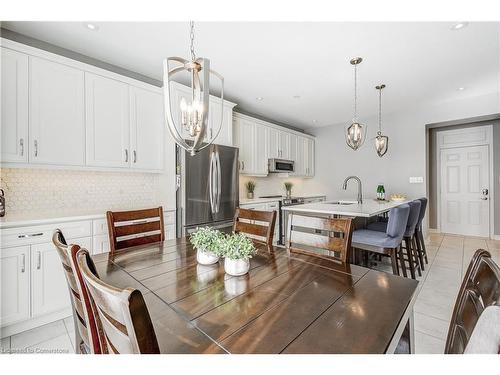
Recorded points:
(261, 165)
(14, 127)
(146, 129)
(284, 145)
(108, 122)
(310, 158)
(273, 143)
(244, 133)
(57, 117)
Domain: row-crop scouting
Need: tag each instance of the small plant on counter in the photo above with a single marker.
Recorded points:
(237, 250)
(288, 188)
(250, 185)
(208, 244)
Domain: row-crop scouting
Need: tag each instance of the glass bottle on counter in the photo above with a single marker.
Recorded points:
(380, 192)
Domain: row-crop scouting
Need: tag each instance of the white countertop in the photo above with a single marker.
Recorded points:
(54, 216)
(244, 201)
(370, 207)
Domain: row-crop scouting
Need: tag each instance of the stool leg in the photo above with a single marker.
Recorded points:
(419, 250)
(416, 256)
(410, 257)
(394, 262)
(402, 260)
(422, 242)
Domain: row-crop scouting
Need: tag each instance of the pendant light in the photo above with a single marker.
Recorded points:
(381, 141)
(194, 112)
(355, 132)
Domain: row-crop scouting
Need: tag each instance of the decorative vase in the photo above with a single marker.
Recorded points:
(206, 257)
(250, 195)
(236, 267)
(288, 193)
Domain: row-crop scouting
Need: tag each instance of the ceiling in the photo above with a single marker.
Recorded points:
(422, 62)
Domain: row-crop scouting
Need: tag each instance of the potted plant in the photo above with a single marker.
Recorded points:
(288, 188)
(237, 249)
(207, 243)
(250, 185)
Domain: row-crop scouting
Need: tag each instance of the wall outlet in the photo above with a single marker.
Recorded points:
(416, 180)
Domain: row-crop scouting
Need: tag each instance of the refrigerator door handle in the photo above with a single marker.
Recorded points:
(219, 182)
(211, 182)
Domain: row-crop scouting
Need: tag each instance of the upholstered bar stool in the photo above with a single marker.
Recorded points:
(408, 238)
(388, 242)
(419, 237)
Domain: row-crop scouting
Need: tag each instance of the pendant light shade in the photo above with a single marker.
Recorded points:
(355, 132)
(381, 141)
(193, 112)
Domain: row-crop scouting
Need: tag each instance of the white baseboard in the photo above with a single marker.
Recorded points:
(495, 237)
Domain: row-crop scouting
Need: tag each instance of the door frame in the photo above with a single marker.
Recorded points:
(482, 136)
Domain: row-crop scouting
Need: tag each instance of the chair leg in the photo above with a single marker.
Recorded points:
(394, 262)
(402, 260)
(419, 250)
(415, 256)
(422, 242)
(410, 257)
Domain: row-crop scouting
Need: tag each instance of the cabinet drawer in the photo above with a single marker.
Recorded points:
(169, 217)
(99, 226)
(273, 206)
(43, 233)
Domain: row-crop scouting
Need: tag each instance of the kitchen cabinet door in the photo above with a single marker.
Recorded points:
(49, 290)
(273, 143)
(225, 136)
(14, 113)
(310, 157)
(284, 145)
(245, 136)
(301, 162)
(292, 155)
(260, 150)
(108, 122)
(146, 129)
(100, 244)
(56, 114)
(14, 285)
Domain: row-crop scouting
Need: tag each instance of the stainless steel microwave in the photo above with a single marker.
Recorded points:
(281, 166)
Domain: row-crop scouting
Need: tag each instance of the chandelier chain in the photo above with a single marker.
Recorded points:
(380, 109)
(355, 92)
(191, 37)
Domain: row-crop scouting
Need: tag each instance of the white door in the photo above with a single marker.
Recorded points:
(57, 116)
(464, 200)
(49, 289)
(15, 285)
(108, 120)
(14, 125)
(146, 129)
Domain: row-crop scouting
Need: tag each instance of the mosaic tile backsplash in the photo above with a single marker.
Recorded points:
(82, 191)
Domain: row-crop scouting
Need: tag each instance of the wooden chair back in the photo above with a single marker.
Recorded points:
(86, 336)
(122, 315)
(124, 227)
(480, 289)
(320, 237)
(261, 232)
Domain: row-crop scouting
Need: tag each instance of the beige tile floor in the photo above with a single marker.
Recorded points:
(449, 256)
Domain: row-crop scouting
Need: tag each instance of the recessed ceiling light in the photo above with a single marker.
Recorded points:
(461, 88)
(296, 96)
(315, 121)
(259, 98)
(459, 25)
(91, 26)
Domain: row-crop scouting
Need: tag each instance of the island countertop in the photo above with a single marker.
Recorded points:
(369, 207)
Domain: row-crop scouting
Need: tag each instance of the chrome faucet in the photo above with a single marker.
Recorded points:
(360, 193)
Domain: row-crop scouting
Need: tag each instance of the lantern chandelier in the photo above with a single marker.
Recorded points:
(192, 114)
(381, 141)
(355, 132)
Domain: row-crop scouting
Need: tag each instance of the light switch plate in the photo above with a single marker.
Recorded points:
(416, 180)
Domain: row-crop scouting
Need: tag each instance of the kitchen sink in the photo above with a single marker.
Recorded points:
(342, 203)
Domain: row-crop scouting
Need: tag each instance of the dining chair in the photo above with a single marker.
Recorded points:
(318, 236)
(86, 336)
(133, 228)
(388, 241)
(125, 325)
(480, 288)
(419, 236)
(258, 224)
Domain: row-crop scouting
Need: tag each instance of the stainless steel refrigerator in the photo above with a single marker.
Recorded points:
(209, 188)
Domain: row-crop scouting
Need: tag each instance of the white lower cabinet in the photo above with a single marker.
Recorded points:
(15, 284)
(49, 290)
(100, 244)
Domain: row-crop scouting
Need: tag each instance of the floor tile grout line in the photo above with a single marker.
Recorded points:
(428, 334)
(69, 336)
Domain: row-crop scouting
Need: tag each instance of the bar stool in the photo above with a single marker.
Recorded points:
(386, 242)
(419, 237)
(408, 238)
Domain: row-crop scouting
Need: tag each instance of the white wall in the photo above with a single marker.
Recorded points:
(407, 149)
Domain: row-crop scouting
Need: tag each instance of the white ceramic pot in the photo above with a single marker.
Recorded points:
(206, 257)
(236, 267)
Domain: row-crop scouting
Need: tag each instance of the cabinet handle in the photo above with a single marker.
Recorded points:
(23, 264)
(242, 165)
(39, 261)
(126, 156)
(36, 148)
(30, 235)
(21, 143)
(135, 156)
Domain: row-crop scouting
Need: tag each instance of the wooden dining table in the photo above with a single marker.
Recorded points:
(287, 303)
